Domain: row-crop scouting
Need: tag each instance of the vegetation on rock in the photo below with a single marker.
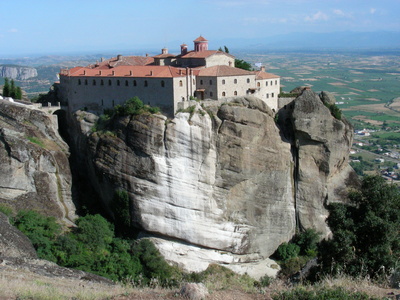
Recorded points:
(11, 90)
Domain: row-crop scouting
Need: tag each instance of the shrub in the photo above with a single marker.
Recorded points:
(307, 240)
(287, 250)
(5, 209)
(335, 111)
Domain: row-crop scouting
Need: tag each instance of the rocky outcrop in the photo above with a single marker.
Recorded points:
(223, 178)
(321, 143)
(34, 166)
(17, 72)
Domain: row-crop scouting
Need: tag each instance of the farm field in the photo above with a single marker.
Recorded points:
(366, 85)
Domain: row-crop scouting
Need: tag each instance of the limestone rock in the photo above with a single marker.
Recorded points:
(13, 243)
(17, 72)
(34, 166)
(194, 291)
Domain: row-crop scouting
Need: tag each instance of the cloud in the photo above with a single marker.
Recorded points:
(339, 12)
(13, 30)
(318, 16)
(372, 10)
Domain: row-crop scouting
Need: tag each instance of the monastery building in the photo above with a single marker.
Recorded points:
(165, 80)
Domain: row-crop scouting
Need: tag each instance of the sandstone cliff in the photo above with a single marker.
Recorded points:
(17, 72)
(225, 185)
(34, 166)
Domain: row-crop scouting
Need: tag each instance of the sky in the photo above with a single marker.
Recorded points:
(57, 27)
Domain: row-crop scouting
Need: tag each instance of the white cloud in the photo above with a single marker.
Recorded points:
(339, 12)
(372, 10)
(13, 30)
(318, 16)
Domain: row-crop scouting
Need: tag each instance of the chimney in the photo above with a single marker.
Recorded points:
(180, 71)
(119, 56)
(100, 72)
(113, 73)
(84, 72)
(130, 72)
(164, 50)
(262, 69)
(183, 49)
(151, 73)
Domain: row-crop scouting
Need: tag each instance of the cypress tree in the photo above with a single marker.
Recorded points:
(6, 88)
(18, 93)
(12, 89)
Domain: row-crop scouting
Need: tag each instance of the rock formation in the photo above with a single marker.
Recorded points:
(34, 167)
(223, 184)
(17, 72)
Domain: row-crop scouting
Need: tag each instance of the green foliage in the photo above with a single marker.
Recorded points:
(301, 293)
(121, 209)
(5, 209)
(41, 230)
(265, 281)
(241, 64)
(307, 240)
(335, 111)
(366, 237)
(11, 90)
(292, 265)
(287, 250)
(36, 141)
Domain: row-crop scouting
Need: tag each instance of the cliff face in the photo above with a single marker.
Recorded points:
(17, 72)
(34, 167)
(229, 182)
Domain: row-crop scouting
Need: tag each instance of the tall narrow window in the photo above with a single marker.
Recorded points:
(272, 95)
(276, 82)
(162, 83)
(126, 83)
(79, 82)
(223, 81)
(235, 93)
(85, 81)
(210, 82)
(145, 83)
(118, 82)
(109, 81)
(235, 81)
(223, 94)
(180, 83)
(258, 84)
(267, 96)
(248, 80)
(102, 82)
(94, 81)
(134, 83)
(266, 83)
(211, 94)
(201, 81)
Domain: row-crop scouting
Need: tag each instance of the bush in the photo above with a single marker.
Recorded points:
(5, 209)
(307, 241)
(287, 250)
(366, 236)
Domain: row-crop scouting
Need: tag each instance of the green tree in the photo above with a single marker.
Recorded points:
(241, 64)
(18, 93)
(6, 88)
(121, 210)
(366, 236)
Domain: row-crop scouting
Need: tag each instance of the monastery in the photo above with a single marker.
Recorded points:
(165, 80)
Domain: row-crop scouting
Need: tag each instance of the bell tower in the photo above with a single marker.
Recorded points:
(200, 44)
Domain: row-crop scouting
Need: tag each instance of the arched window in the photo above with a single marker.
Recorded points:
(79, 82)
(235, 93)
(201, 81)
(267, 96)
(258, 84)
(145, 83)
(223, 94)
(102, 82)
(118, 82)
(271, 82)
(211, 94)
(210, 82)
(248, 80)
(266, 83)
(223, 81)
(180, 83)
(94, 81)
(162, 83)
(276, 82)
(126, 83)
(235, 81)
(134, 83)
(109, 81)
(85, 81)
(272, 95)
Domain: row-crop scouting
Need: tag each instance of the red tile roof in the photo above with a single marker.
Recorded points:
(203, 54)
(223, 71)
(128, 71)
(125, 61)
(200, 39)
(263, 75)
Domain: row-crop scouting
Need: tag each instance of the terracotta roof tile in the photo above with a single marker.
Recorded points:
(223, 71)
(203, 54)
(264, 75)
(200, 39)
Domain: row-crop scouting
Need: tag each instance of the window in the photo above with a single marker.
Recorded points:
(94, 82)
(126, 83)
(235, 93)
(272, 95)
(266, 83)
(109, 81)
(194, 82)
(223, 94)
(235, 81)
(145, 83)
(85, 81)
(102, 82)
(211, 94)
(162, 83)
(223, 81)
(79, 82)
(134, 83)
(201, 81)
(267, 96)
(113, 103)
(271, 82)
(248, 80)
(118, 82)
(210, 82)
(180, 83)
(102, 102)
(258, 84)
(276, 82)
